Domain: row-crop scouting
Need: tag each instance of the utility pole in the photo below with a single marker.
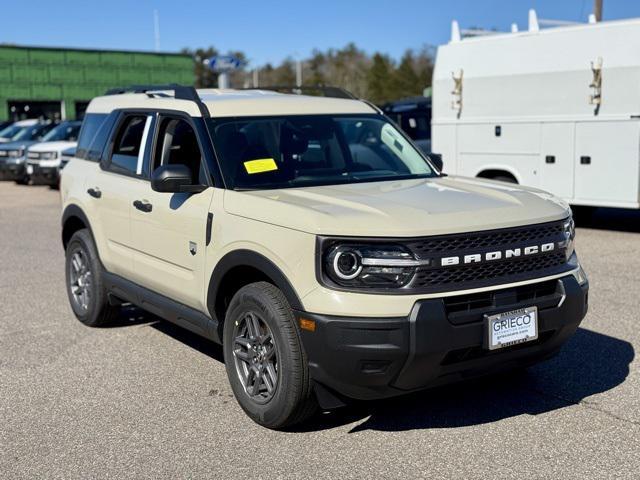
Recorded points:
(597, 10)
(156, 29)
(298, 73)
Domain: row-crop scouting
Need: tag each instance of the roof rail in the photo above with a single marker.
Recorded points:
(325, 91)
(180, 92)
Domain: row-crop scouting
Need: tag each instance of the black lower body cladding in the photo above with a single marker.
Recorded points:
(439, 343)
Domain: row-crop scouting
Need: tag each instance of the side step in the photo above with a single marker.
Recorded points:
(163, 307)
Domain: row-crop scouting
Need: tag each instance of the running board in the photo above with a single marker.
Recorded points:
(162, 306)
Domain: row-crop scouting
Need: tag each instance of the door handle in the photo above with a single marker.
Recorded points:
(143, 206)
(585, 160)
(94, 192)
(550, 159)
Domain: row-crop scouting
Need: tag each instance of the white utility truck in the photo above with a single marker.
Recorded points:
(553, 108)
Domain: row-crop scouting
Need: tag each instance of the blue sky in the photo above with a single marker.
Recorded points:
(270, 30)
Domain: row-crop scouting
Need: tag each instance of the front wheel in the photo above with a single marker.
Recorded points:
(264, 358)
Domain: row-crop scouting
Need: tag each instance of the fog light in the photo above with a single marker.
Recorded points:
(581, 276)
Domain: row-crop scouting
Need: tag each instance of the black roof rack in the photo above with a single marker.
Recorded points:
(323, 90)
(180, 92)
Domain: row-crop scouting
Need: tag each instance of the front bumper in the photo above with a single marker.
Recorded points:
(440, 342)
(12, 171)
(45, 175)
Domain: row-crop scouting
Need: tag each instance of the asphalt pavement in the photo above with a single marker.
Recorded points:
(145, 399)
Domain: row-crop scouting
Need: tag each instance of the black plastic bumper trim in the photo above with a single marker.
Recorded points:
(369, 358)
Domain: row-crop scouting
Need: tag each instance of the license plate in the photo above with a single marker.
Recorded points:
(29, 169)
(511, 328)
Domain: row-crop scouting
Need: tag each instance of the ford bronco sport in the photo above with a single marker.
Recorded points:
(311, 238)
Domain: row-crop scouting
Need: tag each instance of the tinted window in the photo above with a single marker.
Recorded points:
(66, 131)
(35, 132)
(178, 144)
(416, 125)
(100, 139)
(128, 140)
(90, 126)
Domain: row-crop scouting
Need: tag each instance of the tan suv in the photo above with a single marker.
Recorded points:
(308, 235)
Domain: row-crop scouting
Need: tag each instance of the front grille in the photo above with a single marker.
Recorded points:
(441, 278)
(481, 240)
(33, 155)
(487, 271)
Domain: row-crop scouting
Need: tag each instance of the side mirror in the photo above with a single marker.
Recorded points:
(436, 160)
(174, 179)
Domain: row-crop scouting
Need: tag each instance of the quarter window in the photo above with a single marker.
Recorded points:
(90, 126)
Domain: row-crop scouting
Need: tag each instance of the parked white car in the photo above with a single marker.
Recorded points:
(44, 159)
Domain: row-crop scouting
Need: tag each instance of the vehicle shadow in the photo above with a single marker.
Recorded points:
(192, 340)
(130, 316)
(616, 219)
(588, 364)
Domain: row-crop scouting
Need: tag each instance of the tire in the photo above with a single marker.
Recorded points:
(263, 308)
(95, 310)
(504, 178)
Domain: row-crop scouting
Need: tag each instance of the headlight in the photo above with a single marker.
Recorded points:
(569, 235)
(370, 266)
(15, 153)
(48, 155)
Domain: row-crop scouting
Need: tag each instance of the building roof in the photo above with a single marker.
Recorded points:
(233, 103)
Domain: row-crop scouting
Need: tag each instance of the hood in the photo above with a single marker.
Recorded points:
(16, 145)
(405, 208)
(51, 146)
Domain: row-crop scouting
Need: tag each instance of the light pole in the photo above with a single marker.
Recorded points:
(597, 10)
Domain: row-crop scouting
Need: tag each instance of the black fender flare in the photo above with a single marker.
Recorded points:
(249, 258)
(73, 211)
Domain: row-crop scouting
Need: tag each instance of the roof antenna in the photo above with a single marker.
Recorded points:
(514, 28)
(533, 21)
(455, 32)
(592, 18)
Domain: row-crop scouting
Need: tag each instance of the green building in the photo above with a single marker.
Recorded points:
(59, 82)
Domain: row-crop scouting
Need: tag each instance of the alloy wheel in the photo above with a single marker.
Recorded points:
(256, 357)
(80, 280)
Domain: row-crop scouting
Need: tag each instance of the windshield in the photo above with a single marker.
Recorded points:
(10, 131)
(32, 132)
(64, 131)
(300, 151)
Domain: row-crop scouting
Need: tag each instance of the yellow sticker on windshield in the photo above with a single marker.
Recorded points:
(261, 165)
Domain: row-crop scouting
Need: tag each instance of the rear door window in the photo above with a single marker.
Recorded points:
(129, 145)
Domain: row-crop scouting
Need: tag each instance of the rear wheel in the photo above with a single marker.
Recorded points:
(264, 358)
(505, 178)
(85, 288)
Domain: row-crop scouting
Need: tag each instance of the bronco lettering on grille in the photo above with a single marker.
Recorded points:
(497, 255)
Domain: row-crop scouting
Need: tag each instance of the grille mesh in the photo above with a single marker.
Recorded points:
(447, 244)
(487, 271)
(474, 275)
